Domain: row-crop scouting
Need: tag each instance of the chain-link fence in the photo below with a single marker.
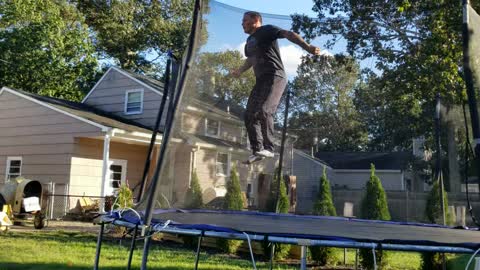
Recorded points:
(59, 204)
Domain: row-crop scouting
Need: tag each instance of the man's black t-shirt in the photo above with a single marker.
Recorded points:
(262, 47)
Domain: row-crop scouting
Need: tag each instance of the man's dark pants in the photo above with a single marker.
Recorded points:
(261, 107)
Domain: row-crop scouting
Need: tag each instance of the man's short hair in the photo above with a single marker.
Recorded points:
(254, 14)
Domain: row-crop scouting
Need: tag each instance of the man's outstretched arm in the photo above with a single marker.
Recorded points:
(246, 65)
(297, 39)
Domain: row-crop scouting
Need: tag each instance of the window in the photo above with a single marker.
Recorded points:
(118, 175)
(134, 101)
(14, 168)
(223, 164)
(212, 128)
(115, 176)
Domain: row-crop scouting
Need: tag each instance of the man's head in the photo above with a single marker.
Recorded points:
(251, 21)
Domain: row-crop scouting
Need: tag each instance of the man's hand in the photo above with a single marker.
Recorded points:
(313, 50)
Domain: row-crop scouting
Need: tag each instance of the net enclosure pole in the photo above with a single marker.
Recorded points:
(168, 130)
(468, 77)
(155, 129)
(132, 247)
(438, 165)
(99, 246)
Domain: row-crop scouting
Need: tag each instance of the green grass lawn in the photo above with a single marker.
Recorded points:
(41, 250)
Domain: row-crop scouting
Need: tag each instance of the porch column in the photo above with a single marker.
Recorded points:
(193, 163)
(105, 168)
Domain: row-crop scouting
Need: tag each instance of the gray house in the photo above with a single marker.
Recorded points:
(347, 171)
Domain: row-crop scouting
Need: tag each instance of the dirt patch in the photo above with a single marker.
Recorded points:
(57, 225)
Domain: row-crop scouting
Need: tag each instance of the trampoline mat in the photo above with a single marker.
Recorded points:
(322, 228)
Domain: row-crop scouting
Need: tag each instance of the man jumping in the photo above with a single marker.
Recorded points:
(263, 55)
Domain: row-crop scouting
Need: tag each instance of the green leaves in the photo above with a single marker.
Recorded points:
(324, 104)
(324, 203)
(45, 48)
(374, 203)
(233, 198)
(130, 30)
(212, 77)
(194, 198)
(417, 50)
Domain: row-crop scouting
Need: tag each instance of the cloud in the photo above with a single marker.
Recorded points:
(291, 56)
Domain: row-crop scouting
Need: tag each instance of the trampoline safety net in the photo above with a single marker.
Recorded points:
(352, 118)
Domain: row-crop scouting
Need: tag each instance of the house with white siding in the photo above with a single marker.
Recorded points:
(92, 147)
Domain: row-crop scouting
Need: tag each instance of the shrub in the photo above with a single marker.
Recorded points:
(433, 212)
(233, 201)
(433, 209)
(281, 250)
(194, 198)
(374, 206)
(124, 198)
(233, 197)
(323, 207)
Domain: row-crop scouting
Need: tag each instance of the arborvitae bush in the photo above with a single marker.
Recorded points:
(194, 199)
(124, 198)
(433, 212)
(233, 201)
(281, 250)
(433, 209)
(374, 206)
(233, 197)
(323, 207)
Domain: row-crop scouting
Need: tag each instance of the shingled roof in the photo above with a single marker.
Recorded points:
(90, 113)
(362, 160)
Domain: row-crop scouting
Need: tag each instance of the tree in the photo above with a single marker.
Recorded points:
(211, 73)
(134, 31)
(417, 49)
(233, 201)
(434, 214)
(324, 104)
(374, 206)
(281, 250)
(194, 199)
(323, 207)
(45, 49)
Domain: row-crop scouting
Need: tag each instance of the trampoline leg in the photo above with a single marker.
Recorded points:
(132, 248)
(146, 249)
(303, 259)
(272, 254)
(99, 246)
(197, 257)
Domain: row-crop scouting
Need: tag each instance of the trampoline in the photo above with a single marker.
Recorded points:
(188, 87)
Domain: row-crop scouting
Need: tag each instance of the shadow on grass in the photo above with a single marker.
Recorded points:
(50, 266)
(58, 236)
(459, 262)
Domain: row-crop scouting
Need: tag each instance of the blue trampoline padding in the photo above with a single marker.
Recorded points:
(312, 227)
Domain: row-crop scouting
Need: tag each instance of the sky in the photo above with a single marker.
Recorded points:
(281, 7)
(225, 31)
